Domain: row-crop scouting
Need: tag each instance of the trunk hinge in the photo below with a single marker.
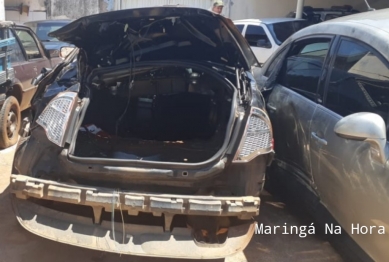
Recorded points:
(242, 83)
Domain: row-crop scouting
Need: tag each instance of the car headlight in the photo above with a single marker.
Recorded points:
(257, 139)
(55, 117)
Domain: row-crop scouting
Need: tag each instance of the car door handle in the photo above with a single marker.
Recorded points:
(271, 107)
(319, 139)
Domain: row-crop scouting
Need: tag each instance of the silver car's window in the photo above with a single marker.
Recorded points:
(274, 64)
(303, 66)
(359, 81)
(254, 34)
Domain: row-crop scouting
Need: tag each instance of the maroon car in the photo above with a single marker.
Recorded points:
(26, 58)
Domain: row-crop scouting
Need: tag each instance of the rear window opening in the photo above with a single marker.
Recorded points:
(163, 114)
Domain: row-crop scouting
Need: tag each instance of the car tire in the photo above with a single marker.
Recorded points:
(9, 122)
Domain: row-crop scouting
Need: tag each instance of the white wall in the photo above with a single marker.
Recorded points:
(242, 9)
(37, 11)
(73, 8)
(35, 5)
(205, 4)
(16, 17)
(148, 3)
(2, 11)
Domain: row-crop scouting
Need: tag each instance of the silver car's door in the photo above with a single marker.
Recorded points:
(292, 103)
(351, 182)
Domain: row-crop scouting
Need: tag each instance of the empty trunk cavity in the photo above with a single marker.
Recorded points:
(163, 114)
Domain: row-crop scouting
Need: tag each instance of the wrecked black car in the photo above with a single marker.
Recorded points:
(150, 139)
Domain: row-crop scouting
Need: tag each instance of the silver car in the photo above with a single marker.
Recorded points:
(327, 92)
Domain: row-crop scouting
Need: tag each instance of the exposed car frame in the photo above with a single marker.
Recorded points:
(215, 198)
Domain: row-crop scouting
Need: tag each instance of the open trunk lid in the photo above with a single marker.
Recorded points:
(158, 33)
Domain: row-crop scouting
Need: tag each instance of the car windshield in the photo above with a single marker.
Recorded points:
(282, 30)
(42, 30)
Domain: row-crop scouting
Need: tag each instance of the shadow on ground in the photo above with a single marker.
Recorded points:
(279, 246)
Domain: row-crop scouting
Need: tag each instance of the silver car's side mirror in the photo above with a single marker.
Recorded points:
(361, 126)
(367, 127)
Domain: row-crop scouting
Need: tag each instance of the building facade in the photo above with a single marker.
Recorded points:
(21, 11)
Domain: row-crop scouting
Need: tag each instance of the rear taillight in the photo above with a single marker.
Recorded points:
(257, 139)
(55, 117)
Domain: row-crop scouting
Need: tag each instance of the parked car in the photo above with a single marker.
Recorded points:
(266, 35)
(26, 57)
(150, 139)
(327, 93)
(318, 15)
(42, 29)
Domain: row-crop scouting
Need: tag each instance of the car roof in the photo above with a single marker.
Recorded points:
(268, 20)
(378, 19)
(374, 20)
(370, 27)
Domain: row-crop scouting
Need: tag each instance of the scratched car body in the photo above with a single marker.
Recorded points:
(327, 96)
(150, 139)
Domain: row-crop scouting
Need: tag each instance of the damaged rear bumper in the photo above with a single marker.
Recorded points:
(144, 240)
